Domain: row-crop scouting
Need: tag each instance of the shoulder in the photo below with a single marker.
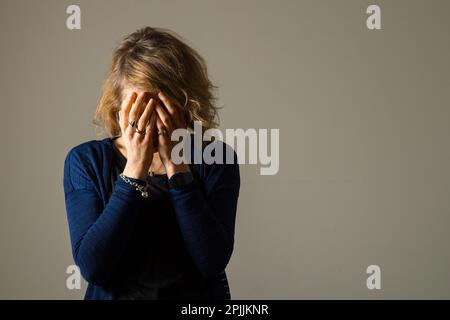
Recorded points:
(82, 163)
(86, 151)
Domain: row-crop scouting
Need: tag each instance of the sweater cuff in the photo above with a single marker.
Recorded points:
(127, 189)
(182, 189)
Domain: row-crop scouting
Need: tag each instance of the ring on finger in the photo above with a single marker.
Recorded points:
(132, 123)
(162, 131)
(142, 132)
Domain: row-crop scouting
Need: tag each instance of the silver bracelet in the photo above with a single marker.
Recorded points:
(142, 189)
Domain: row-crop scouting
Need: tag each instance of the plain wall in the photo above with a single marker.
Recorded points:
(364, 138)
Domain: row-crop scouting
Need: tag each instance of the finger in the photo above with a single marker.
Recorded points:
(150, 128)
(143, 119)
(164, 117)
(162, 129)
(136, 108)
(169, 106)
(179, 115)
(125, 109)
(159, 124)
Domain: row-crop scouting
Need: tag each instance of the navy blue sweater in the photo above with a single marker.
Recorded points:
(103, 216)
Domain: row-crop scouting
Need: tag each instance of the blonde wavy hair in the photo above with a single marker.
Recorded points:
(156, 59)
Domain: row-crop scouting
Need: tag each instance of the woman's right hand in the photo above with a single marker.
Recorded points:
(139, 147)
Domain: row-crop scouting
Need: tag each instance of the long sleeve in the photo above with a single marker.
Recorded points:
(98, 233)
(206, 216)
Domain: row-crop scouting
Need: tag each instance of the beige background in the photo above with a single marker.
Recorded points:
(364, 129)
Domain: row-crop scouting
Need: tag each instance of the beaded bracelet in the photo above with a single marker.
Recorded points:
(142, 189)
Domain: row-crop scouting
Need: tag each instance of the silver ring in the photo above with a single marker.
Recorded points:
(162, 132)
(132, 123)
(139, 131)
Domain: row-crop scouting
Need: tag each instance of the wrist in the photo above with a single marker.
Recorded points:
(138, 185)
(180, 180)
(171, 169)
(135, 171)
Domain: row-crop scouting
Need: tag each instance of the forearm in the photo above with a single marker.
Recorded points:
(98, 247)
(209, 240)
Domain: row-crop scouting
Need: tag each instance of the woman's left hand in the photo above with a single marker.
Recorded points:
(170, 117)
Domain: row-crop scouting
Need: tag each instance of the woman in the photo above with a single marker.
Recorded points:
(141, 225)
